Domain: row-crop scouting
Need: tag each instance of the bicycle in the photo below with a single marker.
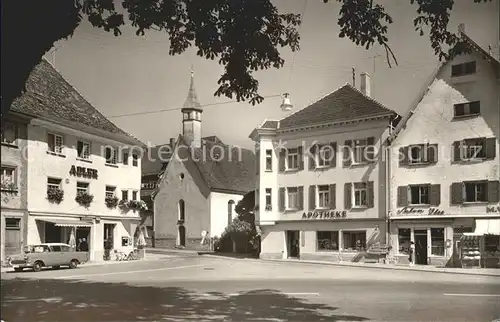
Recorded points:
(133, 255)
(120, 256)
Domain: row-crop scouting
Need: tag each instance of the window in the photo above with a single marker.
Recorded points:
(9, 133)
(417, 154)
(135, 160)
(83, 149)
(463, 69)
(182, 210)
(360, 193)
(53, 183)
(268, 199)
(475, 191)
(324, 156)
(359, 150)
(491, 244)
(437, 241)
(354, 240)
(56, 248)
(110, 191)
(466, 109)
(292, 159)
(55, 143)
(13, 223)
(269, 160)
(66, 249)
(82, 188)
(230, 206)
(134, 195)
(404, 240)
(8, 178)
(293, 198)
(474, 149)
(324, 196)
(110, 155)
(125, 195)
(125, 158)
(327, 240)
(419, 195)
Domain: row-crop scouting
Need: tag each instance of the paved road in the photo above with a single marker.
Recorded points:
(208, 289)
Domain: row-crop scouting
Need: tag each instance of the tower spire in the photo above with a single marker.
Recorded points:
(192, 97)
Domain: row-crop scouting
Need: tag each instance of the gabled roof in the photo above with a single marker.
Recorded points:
(344, 104)
(473, 46)
(49, 96)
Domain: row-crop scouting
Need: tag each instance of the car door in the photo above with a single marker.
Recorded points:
(56, 255)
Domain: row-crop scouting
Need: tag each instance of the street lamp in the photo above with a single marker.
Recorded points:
(286, 105)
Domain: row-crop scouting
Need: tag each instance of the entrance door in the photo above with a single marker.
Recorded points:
(421, 247)
(182, 235)
(12, 236)
(293, 243)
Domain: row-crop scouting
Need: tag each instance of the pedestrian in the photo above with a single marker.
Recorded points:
(78, 245)
(84, 246)
(412, 250)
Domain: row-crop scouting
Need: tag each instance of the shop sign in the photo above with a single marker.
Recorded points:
(83, 172)
(493, 209)
(419, 211)
(327, 214)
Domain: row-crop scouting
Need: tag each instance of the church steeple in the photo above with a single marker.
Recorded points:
(191, 116)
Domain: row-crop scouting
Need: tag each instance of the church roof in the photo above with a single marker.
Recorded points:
(192, 98)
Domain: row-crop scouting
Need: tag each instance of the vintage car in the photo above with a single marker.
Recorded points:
(47, 255)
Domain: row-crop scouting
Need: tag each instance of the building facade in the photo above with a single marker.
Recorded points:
(13, 192)
(322, 177)
(200, 184)
(83, 174)
(445, 165)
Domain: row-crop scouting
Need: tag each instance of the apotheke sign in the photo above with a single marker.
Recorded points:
(327, 214)
(83, 172)
(419, 211)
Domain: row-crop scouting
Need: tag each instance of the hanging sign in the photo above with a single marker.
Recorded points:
(327, 214)
(83, 172)
(419, 211)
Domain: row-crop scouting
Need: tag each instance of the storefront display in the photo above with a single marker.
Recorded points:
(470, 250)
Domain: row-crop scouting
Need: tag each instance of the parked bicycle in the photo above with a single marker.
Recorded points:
(133, 255)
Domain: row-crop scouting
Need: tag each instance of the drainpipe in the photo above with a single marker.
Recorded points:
(388, 187)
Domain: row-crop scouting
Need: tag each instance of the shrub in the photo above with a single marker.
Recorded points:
(55, 195)
(84, 199)
(111, 202)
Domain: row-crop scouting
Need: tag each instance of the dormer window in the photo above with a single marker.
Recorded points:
(463, 69)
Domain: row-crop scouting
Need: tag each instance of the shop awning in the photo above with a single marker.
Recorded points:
(487, 226)
(67, 223)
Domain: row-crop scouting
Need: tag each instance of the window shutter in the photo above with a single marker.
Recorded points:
(301, 157)
(456, 193)
(402, 196)
(456, 151)
(370, 194)
(281, 199)
(347, 153)
(432, 153)
(332, 196)
(301, 198)
(312, 154)
(348, 195)
(282, 160)
(333, 162)
(490, 148)
(435, 194)
(257, 161)
(493, 191)
(312, 197)
(403, 156)
(370, 153)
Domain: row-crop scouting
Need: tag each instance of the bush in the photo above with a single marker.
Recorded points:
(55, 195)
(84, 199)
(111, 202)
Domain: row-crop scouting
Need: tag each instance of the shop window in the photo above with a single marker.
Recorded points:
(475, 191)
(437, 241)
(404, 237)
(269, 160)
(354, 240)
(419, 195)
(327, 240)
(492, 244)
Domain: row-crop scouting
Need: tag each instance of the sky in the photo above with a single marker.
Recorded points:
(135, 75)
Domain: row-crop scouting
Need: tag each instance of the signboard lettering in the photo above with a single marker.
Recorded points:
(492, 209)
(419, 211)
(326, 214)
(83, 172)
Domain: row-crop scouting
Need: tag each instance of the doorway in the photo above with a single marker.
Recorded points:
(182, 235)
(293, 243)
(421, 247)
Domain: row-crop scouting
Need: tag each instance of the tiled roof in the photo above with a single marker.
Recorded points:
(269, 125)
(475, 46)
(152, 163)
(346, 103)
(49, 95)
(226, 172)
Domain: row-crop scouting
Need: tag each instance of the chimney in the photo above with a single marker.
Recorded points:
(365, 84)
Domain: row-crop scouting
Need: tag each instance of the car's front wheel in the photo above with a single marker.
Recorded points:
(37, 266)
(73, 263)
